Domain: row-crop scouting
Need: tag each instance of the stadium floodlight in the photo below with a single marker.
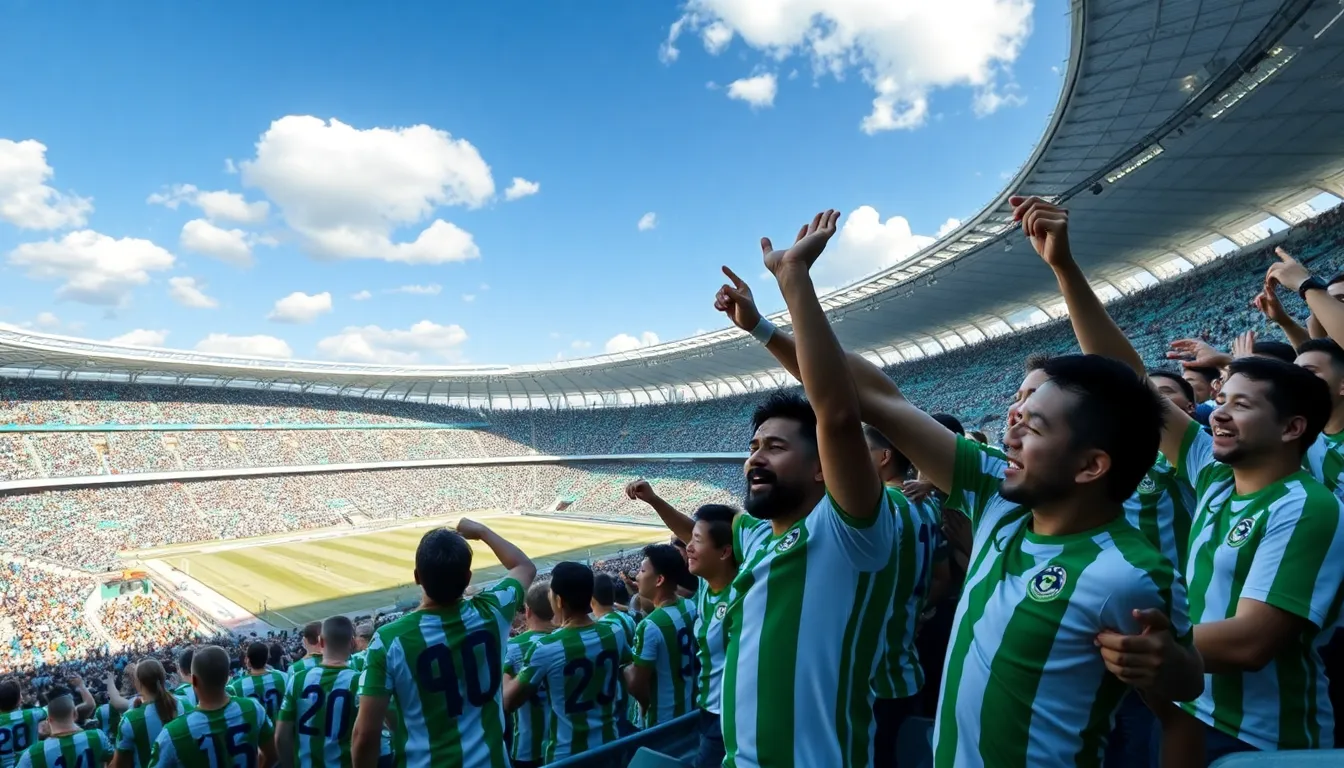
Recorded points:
(1275, 60)
(1134, 164)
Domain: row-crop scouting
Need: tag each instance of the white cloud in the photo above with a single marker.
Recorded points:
(948, 227)
(433, 289)
(140, 337)
(647, 221)
(25, 199)
(580, 344)
(903, 49)
(94, 268)
(47, 321)
(758, 91)
(251, 346)
(344, 190)
(468, 297)
(218, 205)
(991, 98)
(299, 307)
(361, 296)
(189, 293)
(233, 246)
(624, 342)
(229, 167)
(521, 188)
(865, 245)
(373, 344)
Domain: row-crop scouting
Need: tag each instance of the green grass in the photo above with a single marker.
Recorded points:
(310, 580)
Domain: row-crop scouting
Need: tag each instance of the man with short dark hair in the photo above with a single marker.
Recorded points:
(1204, 380)
(18, 726)
(323, 701)
(261, 683)
(415, 659)
(184, 664)
(66, 743)
(312, 649)
(1325, 457)
(1175, 388)
(222, 730)
(577, 667)
(529, 720)
(605, 590)
(363, 636)
(662, 677)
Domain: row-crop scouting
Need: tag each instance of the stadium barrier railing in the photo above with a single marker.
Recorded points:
(677, 738)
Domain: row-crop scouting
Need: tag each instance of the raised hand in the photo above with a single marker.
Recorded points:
(1244, 346)
(917, 490)
(1267, 301)
(640, 490)
(1194, 353)
(471, 530)
(1288, 272)
(737, 303)
(1046, 226)
(806, 248)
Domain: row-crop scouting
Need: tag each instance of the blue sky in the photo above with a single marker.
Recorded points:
(173, 173)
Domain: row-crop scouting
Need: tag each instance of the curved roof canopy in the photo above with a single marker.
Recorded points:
(1181, 123)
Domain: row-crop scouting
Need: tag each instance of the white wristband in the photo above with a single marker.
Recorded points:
(764, 330)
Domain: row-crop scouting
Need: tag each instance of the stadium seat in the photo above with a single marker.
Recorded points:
(1281, 759)
(647, 758)
(914, 744)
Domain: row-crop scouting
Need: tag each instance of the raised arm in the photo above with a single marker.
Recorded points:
(678, 523)
(1267, 302)
(850, 476)
(520, 567)
(1047, 229)
(928, 444)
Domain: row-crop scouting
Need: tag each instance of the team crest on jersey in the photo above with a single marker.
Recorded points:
(1147, 485)
(1046, 585)
(786, 543)
(1240, 532)
(720, 611)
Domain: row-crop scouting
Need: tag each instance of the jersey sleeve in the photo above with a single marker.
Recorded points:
(265, 728)
(977, 473)
(648, 643)
(1196, 454)
(502, 599)
(1153, 585)
(748, 534)
(865, 543)
(163, 754)
(1299, 563)
(125, 736)
(26, 760)
(376, 679)
(538, 661)
(105, 744)
(289, 704)
(513, 658)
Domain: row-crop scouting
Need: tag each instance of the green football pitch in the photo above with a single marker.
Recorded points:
(302, 581)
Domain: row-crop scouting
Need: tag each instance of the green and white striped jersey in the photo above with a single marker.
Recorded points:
(580, 668)
(322, 703)
(228, 736)
(1325, 462)
(1024, 683)
(186, 691)
(529, 720)
(267, 688)
(18, 731)
(108, 718)
(304, 664)
(444, 669)
(625, 621)
(665, 644)
(625, 704)
(917, 532)
(141, 726)
(357, 660)
(82, 749)
(1282, 546)
(1161, 508)
(806, 613)
(711, 646)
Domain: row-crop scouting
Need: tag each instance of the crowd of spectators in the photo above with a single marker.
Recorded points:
(42, 615)
(147, 619)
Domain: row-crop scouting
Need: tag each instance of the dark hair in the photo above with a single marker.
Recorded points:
(1336, 279)
(338, 633)
(184, 660)
(1036, 361)
(678, 543)
(668, 564)
(1293, 391)
(277, 655)
(443, 564)
(151, 677)
(875, 437)
(1328, 346)
(604, 589)
(786, 405)
(619, 594)
(538, 600)
(952, 423)
(718, 518)
(1117, 412)
(258, 654)
(1209, 375)
(9, 695)
(365, 630)
(978, 436)
(60, 703)
(1279, 350)
(573, 584)
(1175, 378)
(312, 632)
(211, 667)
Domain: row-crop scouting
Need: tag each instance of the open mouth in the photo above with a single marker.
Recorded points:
(1223, 432)
(760, 479)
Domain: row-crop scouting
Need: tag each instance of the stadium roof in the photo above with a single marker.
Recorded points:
(1181, 123)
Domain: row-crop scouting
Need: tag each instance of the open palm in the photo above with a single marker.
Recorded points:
(806, 248)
